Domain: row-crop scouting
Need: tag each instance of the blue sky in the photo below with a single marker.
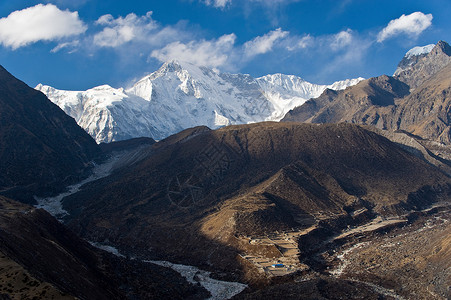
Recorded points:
(79, 44)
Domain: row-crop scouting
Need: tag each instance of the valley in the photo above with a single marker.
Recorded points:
(285, 251)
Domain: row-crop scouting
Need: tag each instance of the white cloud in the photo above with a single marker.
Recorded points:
(214, 53)
(263, 44)
(341, 39)
(39, 23)
(412, 25)
(268, 3)
(218, 3)
(123, 30)
(304, 42)
(296, 42)
(73, 45)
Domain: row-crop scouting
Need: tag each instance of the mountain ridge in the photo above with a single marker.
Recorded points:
(421, 108)
(181, 95)
(416, 69)
(42, 149)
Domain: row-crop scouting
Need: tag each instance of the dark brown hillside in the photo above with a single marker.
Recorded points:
(41, 148)
(310, 108)
(39, 243)
(353, 104)
(126, 145)
(190, 199)
(41, 259)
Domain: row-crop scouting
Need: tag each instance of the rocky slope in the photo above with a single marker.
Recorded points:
(420, 64)
(180, 96)
(354, 104)
(201, 192)
(41, 148)
(385, 102)
(406, 260)
(412, 260)
(426, 111)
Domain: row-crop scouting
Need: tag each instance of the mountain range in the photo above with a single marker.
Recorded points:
(181, 95)
(416, 99)
(352, 203)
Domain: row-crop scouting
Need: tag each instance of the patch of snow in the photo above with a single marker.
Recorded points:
(107, 248)
(220, 290)
(344, 262)
(54, 206)
(419, 50)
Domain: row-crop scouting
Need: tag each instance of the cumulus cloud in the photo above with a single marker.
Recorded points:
(122, 30)
(218, 3)
(263, 44)
(39, 23)
(412, 25)
(213, 53)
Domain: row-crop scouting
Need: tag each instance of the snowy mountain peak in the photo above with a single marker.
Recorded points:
(172, 66)
(180, 95)
(419, 50)
(169, 73)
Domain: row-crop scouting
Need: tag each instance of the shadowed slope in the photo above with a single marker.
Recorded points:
(51, 260)
(41, 148)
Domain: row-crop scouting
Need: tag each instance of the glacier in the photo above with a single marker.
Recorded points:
(180, 95)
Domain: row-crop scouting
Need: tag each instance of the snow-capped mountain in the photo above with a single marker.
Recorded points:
(182, 95)
(412, 57)
(420, 63)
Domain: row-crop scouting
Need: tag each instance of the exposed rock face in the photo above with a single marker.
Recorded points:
(416, 69)
(426, 112)
(385, 102)
(197, 192)
(41, 148)
(413, 56)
